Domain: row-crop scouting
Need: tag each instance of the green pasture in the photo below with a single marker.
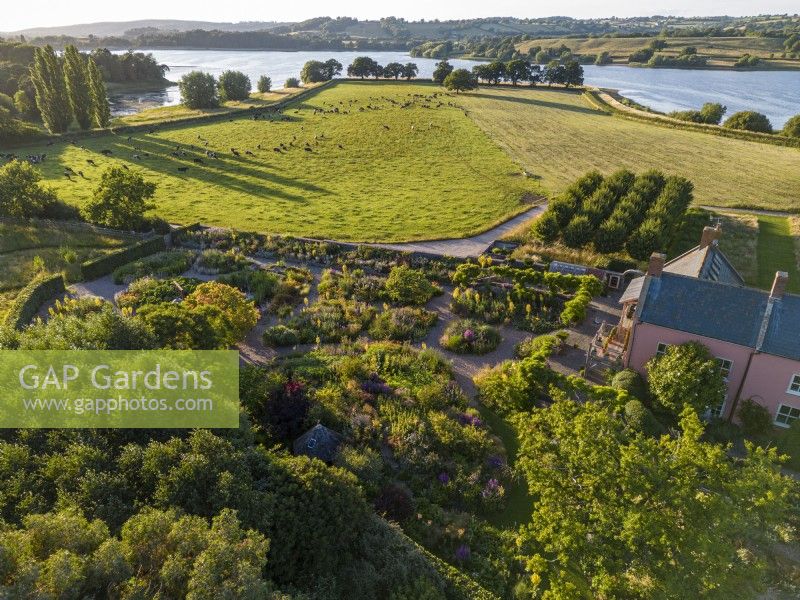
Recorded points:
(395, 163)
(558, 136)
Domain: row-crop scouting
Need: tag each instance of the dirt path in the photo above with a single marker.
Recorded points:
(471, 246)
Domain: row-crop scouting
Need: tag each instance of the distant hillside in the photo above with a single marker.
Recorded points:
(120, 28)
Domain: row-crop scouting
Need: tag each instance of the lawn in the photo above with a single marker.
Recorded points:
(26, 248)
(393, 164)
(558, 136)
(775, 252)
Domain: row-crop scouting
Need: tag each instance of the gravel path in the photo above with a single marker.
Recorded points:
(471, 246)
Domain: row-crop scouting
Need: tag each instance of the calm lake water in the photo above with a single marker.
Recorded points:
(774, 93)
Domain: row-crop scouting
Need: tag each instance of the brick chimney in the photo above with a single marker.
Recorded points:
(656, 265)
(779, 285)
(710, 235)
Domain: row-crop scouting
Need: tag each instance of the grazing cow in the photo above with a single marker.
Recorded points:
(129, 138)
(308, 149)
(235, 152)
(183, 169)
(249, 153)
(106, 152)
(278, 150)
(68, 175)
(198, 160)
(137, 157)
(340, 147)
(258, 147)
(124, 166)
(175, 154)
(81, 174)
(91, 162)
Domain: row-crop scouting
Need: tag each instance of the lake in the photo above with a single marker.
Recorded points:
(774, 93)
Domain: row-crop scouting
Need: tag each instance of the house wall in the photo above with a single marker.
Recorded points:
(768, 381)
(646, 338)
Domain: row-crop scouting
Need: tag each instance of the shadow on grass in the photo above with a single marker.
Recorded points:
(540, 103)
(227, 171)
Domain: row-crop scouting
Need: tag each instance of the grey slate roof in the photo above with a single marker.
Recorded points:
(318, 442)
(724, 312)
(783, 332)
(705, 262)
(632, 291)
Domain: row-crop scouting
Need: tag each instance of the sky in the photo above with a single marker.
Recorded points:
(44, 13)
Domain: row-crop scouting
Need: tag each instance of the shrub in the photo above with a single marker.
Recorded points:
(292, 82)
(238, 315)
(546, 227)
(409, 286)
(465, 336)
(748, 120)
(351, 284)
(610, 236)
(755, 419)
(155, 291)
(163, 264)
(331, 321)
(645, 240)
(233, 85)
(402, 324)
(579, 232)
(213, 261)
(639, 418)
(633, 383)
(264, 84)
(563, 208)
(395, 502)
(261, 285)
(183, 327)
(792, 127)
(280, 335)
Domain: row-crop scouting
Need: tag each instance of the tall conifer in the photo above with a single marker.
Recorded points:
(76, 79)
(51, 92)
(101, 114)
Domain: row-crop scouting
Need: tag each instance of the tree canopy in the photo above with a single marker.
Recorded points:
(199, 90)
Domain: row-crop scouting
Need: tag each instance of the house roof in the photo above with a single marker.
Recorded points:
(705, 308)
(318, 442)
(705, 262)
(702, 262)
(782, 337)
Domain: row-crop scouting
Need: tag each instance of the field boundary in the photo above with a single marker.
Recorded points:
(603, 100)
(123, 129)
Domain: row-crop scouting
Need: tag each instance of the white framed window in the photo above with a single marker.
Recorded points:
(725, 367)
(715, 412)
(786, 415)
(661, 349)
(794, 385)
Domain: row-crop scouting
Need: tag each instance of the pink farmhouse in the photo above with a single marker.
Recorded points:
(700, 297)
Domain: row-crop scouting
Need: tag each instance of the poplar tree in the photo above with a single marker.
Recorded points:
(101, 113)
(51, 91)
(76, 79)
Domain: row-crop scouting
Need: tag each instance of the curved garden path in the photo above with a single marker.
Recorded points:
(471, 246)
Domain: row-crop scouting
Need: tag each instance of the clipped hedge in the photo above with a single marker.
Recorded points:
(98, 267)
(31, 298)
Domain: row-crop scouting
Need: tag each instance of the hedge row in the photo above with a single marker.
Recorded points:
(776, 139)
(459, 586)
(98, 267)
(31, 298)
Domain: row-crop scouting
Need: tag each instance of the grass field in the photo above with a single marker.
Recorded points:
(722, 52)
(381, 172)
(775, 252)
(25, 248)
(558, 136)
